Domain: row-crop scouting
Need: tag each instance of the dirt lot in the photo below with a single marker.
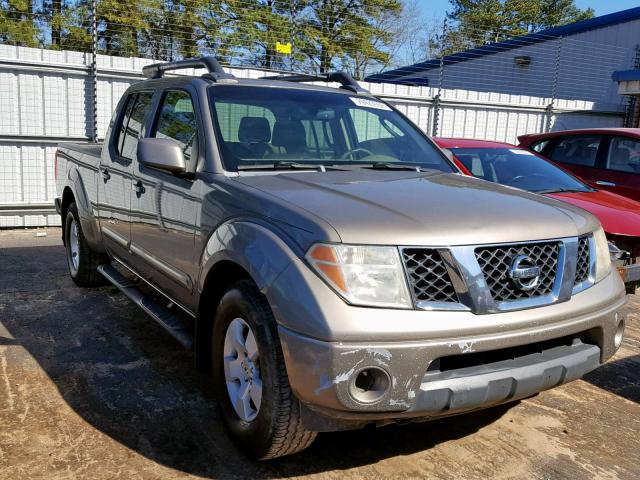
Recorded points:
(91, 388)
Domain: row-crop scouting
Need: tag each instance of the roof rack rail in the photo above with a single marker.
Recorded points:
(347, 81)
(214, 68)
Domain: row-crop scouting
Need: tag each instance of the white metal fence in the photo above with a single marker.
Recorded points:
(46, 97)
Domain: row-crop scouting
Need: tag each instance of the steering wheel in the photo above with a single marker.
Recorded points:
(354, 151)
(520, 178)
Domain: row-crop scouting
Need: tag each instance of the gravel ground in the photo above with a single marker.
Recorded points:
(92, 388)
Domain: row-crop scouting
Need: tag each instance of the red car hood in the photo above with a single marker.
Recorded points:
(618, 215)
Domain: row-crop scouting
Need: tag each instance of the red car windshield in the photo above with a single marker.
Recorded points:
(518, 168)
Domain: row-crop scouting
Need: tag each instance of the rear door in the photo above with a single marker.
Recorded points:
(621, 162)
(115, 175)
(165, 207)
(577, 153)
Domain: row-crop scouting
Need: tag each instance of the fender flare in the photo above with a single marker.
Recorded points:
(259, 247)
(253, 246)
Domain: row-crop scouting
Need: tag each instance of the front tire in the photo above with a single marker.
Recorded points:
(256, 402)
(82, 261)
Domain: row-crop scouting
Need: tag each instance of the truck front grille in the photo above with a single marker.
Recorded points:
(583, 265)
(428, 275)
(495, 263)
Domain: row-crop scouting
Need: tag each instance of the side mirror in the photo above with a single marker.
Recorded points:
(162, 153)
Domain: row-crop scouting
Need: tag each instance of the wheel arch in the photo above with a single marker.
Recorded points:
(236, 250)
(219, 278)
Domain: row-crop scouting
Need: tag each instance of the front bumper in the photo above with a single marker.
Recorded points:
(322, 371)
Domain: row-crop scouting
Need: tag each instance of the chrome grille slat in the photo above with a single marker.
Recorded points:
(583, 264)
(428, 275)
(495, 262)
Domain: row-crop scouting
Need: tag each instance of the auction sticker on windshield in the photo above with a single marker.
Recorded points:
(368, 103)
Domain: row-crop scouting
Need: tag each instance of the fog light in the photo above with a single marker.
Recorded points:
(370, 385)
(617, 339)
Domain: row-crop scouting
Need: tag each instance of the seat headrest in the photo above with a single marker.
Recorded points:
(290, 134)
(254, 130)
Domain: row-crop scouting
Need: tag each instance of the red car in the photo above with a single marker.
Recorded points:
(516, 167)
(605, 158)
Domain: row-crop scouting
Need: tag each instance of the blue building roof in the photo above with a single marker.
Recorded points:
(403, 74)
(626, 75)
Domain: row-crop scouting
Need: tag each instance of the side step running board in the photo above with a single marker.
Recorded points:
(164, 317)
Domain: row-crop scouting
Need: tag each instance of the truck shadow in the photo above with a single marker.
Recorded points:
(620, 377)
(123, 375)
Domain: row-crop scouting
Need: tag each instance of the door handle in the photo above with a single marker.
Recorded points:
(138, 188)
(105, 174)
(604, 183)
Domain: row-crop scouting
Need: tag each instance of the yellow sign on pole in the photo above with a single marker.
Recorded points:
(284, 48)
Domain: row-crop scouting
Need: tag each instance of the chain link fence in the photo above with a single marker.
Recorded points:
(564, 74)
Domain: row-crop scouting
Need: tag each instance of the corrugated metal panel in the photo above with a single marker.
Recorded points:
(45, 98)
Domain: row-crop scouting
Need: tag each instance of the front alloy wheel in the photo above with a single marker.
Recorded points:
(250, 378)
(242, 369)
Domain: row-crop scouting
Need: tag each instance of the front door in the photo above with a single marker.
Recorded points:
(115, 175)
(165, 207)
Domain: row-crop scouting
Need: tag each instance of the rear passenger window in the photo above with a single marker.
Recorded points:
(624, 155)
(137, 108)
(576, 150)
(177, 121)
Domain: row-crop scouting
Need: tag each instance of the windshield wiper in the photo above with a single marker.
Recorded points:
(393, 166)
(561, 190)
(286, 165)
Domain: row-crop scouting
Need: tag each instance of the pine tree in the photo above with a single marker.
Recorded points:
(17, 23)
(345, 29)
(477, 22)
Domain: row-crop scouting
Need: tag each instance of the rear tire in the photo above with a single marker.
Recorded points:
(82, 261)
(270, 426)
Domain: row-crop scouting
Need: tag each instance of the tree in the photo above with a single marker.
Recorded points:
(259, 24)
(17, 23)
(122, 25)
(477, 22)
(373, 46)
(347, 30)
(412, 34)
(357, 35)
(75, 26)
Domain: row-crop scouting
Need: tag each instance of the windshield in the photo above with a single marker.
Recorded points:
(518, 168)
(272, 126)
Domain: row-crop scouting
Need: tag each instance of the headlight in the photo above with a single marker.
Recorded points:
(603, 258)
(362, 275)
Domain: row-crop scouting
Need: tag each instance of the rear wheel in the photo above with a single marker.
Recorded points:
(251, 383)
(82, 261)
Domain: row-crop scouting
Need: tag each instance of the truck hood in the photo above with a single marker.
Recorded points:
(618, 215)
(407, 208)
